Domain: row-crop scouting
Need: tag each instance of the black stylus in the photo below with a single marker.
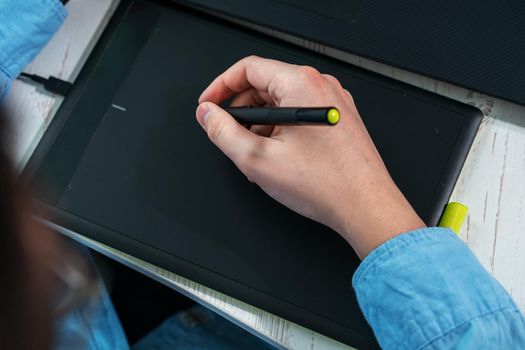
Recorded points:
(285, 115)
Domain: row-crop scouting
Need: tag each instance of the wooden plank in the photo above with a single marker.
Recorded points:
(32, 108)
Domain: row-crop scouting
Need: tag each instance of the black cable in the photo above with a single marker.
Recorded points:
(64, 1)
(51, 84)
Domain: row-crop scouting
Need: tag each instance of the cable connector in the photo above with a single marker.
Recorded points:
(51, 84)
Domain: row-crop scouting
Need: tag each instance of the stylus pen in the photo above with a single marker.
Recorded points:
(285, 115)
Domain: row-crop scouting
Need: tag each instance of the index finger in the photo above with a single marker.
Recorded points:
(249, 72)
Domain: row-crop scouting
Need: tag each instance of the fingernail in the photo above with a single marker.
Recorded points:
(202, 114)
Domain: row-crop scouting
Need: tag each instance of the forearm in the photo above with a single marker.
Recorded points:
(426, 287)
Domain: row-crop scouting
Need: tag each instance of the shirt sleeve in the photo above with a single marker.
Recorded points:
(426, 289)
(25, 27)
(5, 83)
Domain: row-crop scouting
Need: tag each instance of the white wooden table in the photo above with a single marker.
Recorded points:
(492, 182)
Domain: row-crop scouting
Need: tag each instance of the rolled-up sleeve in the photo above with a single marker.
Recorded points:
(25, 27)
(426, 289)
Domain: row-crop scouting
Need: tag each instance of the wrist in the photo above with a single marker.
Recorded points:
(376, 219)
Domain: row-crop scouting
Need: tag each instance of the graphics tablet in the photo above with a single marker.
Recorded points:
(447, 40)
(125, 162)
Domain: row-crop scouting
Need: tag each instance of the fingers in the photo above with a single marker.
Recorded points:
(249, 72)
(252, 97)
(242, 146)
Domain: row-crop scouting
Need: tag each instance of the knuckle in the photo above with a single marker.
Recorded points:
(251, 160)
(251, 58)
(214, 129)
(332, 79)
(309, 74)
(349, 95)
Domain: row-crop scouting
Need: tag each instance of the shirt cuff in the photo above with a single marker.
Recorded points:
(419, 285)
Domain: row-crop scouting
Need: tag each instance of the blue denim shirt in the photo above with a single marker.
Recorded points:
(25, 27)
(426, 290)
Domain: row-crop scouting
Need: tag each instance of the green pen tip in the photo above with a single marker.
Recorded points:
(333, 116)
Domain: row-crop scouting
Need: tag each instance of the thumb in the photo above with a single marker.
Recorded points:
(237, 142)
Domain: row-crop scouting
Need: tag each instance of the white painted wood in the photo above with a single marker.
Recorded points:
(492, 182)
(33, 108)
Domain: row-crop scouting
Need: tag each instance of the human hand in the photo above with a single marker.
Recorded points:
(333, 175)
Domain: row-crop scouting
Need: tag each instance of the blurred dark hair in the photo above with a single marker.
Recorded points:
(25, 319)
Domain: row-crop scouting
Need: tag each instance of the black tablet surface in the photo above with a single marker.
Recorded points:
(125, 162)
(476, 44)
